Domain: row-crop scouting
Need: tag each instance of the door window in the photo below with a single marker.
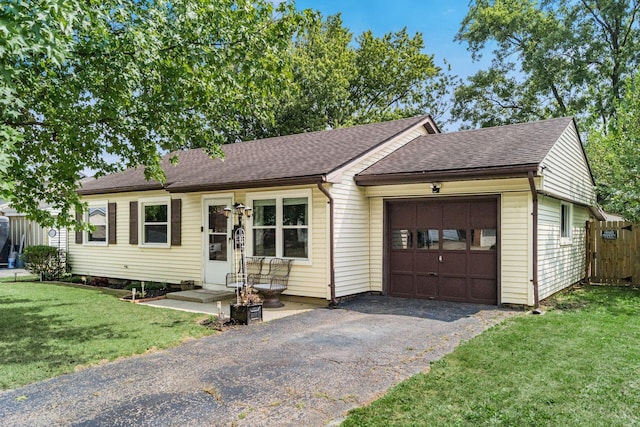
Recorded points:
(217, 223)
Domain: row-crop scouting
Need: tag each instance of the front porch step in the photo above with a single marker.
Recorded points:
(201, 295)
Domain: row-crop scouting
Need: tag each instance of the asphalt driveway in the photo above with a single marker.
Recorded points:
(308, 369)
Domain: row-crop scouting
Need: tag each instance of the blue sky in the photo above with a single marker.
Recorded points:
(438, 21)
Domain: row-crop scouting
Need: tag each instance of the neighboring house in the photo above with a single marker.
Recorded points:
(27, 232)
(492, 216)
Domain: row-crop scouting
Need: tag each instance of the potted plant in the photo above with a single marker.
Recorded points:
(247, 308)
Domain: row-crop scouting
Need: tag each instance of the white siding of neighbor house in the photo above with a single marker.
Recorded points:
(185, 262)
(566, 172)
(351, 232)
(560, 264)
(515, 229)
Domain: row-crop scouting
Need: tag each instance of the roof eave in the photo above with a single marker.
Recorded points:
(274, 182)
(448, 175)
(123, 189)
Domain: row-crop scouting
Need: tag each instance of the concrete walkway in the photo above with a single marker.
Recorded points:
(14, 272)
(307, 369)
(290, 308)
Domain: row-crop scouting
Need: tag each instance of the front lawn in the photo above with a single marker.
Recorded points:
(47, 330)
(576, 365)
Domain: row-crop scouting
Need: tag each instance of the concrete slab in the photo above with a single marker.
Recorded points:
(201, 295)
(290, 307)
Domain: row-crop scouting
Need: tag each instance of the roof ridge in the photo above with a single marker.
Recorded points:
(512, 125)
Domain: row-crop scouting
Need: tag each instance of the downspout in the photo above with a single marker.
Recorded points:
(332, 273)
(534, 195)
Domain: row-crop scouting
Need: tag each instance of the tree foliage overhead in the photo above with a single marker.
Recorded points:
(617, 157)
(339, 80)
(550, 58)
(131, 79)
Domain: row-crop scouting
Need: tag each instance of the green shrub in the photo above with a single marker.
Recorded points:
(45, 261)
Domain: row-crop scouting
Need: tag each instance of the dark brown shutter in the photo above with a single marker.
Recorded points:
(111, 207)
(79, 231)
(133, 223)
(176, 222)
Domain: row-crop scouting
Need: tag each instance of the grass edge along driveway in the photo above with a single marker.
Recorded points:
(578, 364)
(51, 329)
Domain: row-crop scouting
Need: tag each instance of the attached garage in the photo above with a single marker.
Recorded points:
(443, 249)
(477, 216)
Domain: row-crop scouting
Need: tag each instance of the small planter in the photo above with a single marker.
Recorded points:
(246, 314)
(187, 285)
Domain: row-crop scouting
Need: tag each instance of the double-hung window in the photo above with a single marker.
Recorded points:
(565, 223)
(97, 219)
(155, 222)
(280, 225)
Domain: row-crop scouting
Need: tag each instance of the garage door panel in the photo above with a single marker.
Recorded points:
(483, 290)
(402, 285)
(429, 215)
(454, 263)
(426, 262)
(483, 265)
(483, 214)
(401, 262)
(426, 286)
(453, 288)
(403, 215)
(454, 215)
(444, 249)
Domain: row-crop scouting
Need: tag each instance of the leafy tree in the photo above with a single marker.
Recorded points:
(617, 155)
(130, 79)
(551, 58)
(340, 81)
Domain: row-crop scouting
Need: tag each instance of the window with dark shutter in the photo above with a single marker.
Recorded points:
(79, 231)
(176, 219)
(111, 210)
(133, 223)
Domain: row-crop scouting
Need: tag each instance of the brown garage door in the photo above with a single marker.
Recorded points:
(444, 250)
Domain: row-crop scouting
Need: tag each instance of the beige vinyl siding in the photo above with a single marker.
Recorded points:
(308, 279)
(457, 188)
(516, 230)
(127, 261)
(559, 264)
(351, 232)
(516, 226)
(566, 173)
(376, 242)
(185, 262)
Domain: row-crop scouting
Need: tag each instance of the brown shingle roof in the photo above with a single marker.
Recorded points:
(294, 159)
(498, 150)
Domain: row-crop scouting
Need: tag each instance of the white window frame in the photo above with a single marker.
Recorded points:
(92, 205)
(566, 223)
(279, 196)
(153, 201)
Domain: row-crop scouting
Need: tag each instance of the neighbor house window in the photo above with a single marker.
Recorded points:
(155, 220)
(565, 223)
(280, 226)
(97, 219)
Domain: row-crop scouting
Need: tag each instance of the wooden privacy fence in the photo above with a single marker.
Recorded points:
(613, 252)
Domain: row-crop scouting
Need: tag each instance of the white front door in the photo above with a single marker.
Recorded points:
(217, 250)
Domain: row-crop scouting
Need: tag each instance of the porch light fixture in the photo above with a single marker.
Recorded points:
(240, 210)
(435, 187)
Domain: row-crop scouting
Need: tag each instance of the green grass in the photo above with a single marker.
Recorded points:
(576, 365)
(49, 329)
